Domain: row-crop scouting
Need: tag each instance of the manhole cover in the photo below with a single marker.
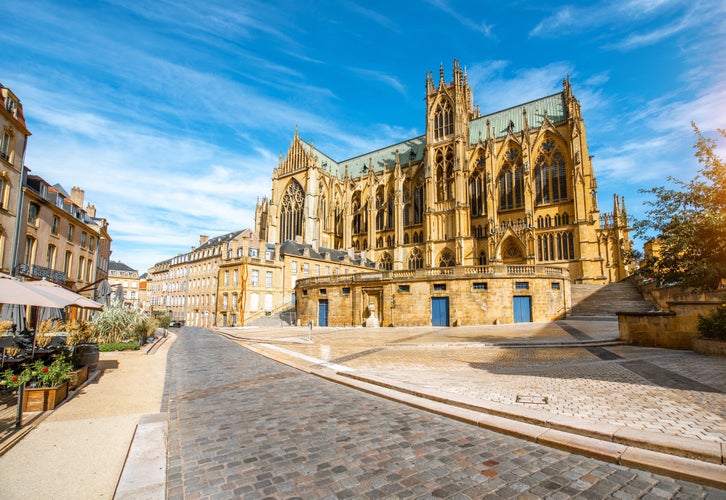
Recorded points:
(536, 400)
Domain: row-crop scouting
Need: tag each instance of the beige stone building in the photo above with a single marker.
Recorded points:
(236, 278)
(504, 196)
(121, 275)
(13, 142)
(60, 240)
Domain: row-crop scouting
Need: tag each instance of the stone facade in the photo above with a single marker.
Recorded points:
(60, 240)
(119, 274)
(13, 141)
(513, 188)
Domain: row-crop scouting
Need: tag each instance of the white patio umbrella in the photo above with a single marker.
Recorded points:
(72, 297)
(13, 291)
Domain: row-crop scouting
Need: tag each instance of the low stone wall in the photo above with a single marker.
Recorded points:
(475, 296)
(709, 347)
(672, 329)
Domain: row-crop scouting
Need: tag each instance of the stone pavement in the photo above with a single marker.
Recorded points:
(571, 375)
(244, 426)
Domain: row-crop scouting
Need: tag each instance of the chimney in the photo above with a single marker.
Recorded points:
(203, 238)
(91, 210)
(77, 195)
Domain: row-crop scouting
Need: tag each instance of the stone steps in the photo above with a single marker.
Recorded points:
(607, 300)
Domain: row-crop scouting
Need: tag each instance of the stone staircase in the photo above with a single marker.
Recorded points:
(606, 300)
(282, 318)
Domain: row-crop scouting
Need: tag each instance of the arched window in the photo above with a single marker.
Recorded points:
(482, 258)
(407, 215)
(443, 120)
(550, 174)
(447, 259)
(406, 239)
(291, 212)
(357, 214)
(511, 181)
(444, 159)
(415, 259)
(565, 219)
(477, 192)
(380, 211)
(419, 199)
(385, 262)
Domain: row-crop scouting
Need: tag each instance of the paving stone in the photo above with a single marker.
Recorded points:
(255, 427)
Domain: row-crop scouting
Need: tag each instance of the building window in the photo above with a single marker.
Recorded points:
(443, 120)
(56, 226)
(84, 236)
(291, 212)
(253, 252)
(555, 286)
(323, 291)
(415, 259)
(550, 174)
(226, 278)
(235, 277)
(305, 268)
(439, 287)
(30, 243)
(269, 254)
(67, 263)
(33, 213)
(268, 279)
(50, 262)
(346, 290)
(521, 285)
(511, 181)
(480, 286)
(81, 262)
(70, 232)
(5, 146)
(4, 193)
(92, 243)
(294, 267)
(255, 277)
(317, 269)
(404, 288)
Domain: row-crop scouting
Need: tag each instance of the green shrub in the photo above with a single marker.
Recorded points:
(119, 346)
(713, 325)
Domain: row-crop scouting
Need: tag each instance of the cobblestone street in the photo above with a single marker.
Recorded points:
(242, 425)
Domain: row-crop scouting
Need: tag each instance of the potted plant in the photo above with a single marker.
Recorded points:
(45, 385)
(712, 328)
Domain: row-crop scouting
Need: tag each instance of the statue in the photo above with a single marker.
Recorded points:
(372, 320)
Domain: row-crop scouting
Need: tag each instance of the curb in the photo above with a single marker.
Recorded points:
(144, 471)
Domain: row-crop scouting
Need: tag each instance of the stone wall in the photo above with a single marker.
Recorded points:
(672, 329)
(476, 295)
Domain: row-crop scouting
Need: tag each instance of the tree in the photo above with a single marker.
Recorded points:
(690, 224)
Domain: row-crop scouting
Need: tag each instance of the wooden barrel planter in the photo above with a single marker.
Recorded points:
(87, 355)
(44, 398)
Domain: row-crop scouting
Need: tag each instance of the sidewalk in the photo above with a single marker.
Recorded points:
(78, 451)
(569, 384)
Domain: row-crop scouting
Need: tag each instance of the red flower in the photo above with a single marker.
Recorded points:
(15, 378)
(45, 369)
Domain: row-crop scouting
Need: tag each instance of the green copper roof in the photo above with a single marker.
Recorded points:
(552, 106)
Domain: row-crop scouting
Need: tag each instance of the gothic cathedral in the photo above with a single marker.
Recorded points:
(513, 187)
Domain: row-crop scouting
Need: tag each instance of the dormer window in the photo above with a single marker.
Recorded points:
(11, 106)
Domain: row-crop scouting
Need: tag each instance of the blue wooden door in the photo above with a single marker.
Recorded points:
(323, 312)
(522, 309)
(440, 311)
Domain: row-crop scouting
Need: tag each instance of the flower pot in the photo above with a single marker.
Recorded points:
(44, 398)
(88, 355)
(77, 377)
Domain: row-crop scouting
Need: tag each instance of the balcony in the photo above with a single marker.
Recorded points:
(40, 272)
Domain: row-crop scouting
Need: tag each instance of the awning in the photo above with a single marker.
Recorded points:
(72, 298)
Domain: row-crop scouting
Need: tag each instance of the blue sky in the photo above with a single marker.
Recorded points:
(171, 115)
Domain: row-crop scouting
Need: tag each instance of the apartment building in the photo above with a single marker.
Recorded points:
(121, 275)
(13, 142)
